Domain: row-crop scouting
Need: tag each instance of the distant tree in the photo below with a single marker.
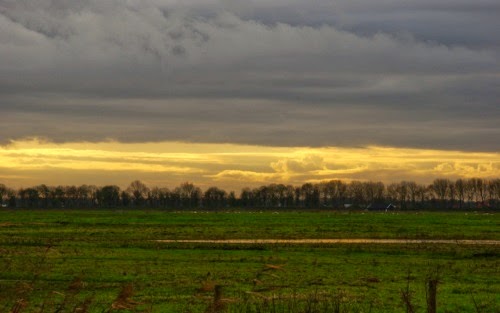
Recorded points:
(481, 189)
(12, 200)
(154, 197)
(315, 197)
(440, 187)
(109, 196)
(263, 196)
(175, 198)
(32, 196)
(494, 192)
(58, 196)
(83, 194)
(214, 198)
(327, 190)
(164, 197)
(368, 191)
(7, 196)
(289, 196)
(452, 193)
(277, 195)
(71, 193)
(158, 197)
(356, 192)
(43, 193)
(297, 196)
(3, 192)
(22, 195)
(310, 194)
(477, 192)
(189, 194)
(231, 199)
(422, 195)
(92, 190)
(340, 192)
(412, 193)
(373, 191)
(125, 198)
(273, 195)
(490, 191)
(402, 193)
(460, 190)
(246, 197)
(392, 193)
(470, 191)
(139, 192)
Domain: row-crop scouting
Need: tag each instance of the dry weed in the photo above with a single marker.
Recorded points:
(123, 301)
(19, 306)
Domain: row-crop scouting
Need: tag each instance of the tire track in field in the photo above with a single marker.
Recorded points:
(336, 241)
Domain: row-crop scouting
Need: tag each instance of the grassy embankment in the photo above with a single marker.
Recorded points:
(59, 260)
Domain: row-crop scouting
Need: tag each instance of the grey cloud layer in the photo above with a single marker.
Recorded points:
(404, 73)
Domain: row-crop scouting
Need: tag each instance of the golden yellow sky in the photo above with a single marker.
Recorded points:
(230, 166)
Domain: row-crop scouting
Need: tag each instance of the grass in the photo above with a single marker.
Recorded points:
(99, 261)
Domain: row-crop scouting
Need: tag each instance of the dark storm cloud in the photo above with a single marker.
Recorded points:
(402, 73)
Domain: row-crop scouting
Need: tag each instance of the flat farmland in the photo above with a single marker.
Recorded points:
(155, 261)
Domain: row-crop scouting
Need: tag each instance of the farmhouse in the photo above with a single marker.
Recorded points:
(380, 207)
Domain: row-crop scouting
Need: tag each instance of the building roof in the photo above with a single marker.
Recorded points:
(380, 206)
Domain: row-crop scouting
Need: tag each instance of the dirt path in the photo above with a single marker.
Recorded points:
(338, 241)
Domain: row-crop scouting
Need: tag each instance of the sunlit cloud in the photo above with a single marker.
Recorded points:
(229, 166)
(308, 163)
(249, 176)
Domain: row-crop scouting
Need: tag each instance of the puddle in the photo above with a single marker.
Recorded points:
(338, 241)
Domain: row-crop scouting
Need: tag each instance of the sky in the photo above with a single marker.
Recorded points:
(248, 92)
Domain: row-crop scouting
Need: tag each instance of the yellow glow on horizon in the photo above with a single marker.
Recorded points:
(229, 165)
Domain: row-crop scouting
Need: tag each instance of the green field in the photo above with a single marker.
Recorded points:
(56, 261)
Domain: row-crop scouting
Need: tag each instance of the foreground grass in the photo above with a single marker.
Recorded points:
(59, 260)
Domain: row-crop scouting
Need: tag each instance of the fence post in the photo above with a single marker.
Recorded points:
(431, 295)
(218, 304)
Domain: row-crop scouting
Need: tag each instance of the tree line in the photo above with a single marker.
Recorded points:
(473, 193)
